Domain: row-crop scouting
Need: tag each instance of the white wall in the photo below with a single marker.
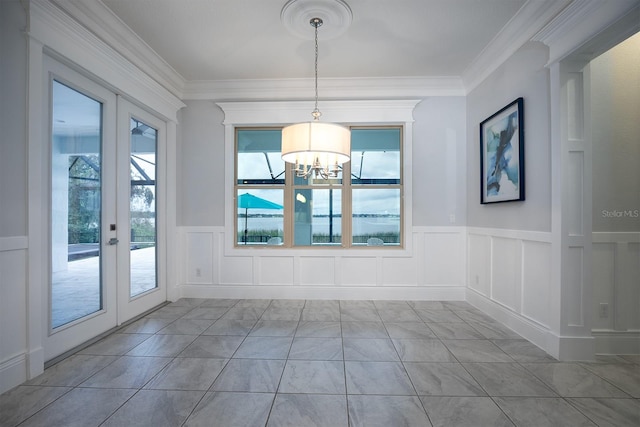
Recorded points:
(13, 101)
(13, 191)
(523, 75)
(439, 162)
(433, 269)
(201, 165)
(430, 267)
(615, 90)
(439, 157)
(509, 244)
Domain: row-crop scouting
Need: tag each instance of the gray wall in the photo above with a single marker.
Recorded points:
(438, 156)
(201, 174)
(13, 193)
(522, 75)
(439, 162)
(615, 99)
(13, 121)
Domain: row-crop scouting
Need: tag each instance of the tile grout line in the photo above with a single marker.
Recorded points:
(508, 351)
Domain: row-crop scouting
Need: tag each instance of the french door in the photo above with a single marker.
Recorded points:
(140, 160)
(105, 178)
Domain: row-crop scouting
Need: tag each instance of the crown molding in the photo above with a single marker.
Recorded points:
(329, 88)
(346, 111)
(532, 16)
(582, 20)
(67, 39)
(100, 20)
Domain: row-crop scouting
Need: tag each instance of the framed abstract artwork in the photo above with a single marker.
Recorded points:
(502, 155)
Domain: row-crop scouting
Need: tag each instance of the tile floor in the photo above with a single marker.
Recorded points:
(216, 362)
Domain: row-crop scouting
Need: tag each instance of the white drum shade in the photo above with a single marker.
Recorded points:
(303, 143)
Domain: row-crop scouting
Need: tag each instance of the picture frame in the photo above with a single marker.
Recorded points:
(502, 155)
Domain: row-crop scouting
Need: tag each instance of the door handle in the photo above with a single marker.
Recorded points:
(112, 241)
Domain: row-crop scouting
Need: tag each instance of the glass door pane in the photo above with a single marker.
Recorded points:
(76, 214)
(142, 207)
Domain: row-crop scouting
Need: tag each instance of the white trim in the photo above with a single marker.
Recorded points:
(532, 16)
(528, 328)
(331, 88)
(14, 243)
(616, 237)
(56, 341)
(12, 372)
(202, 250)
(417, 293)
(110, 28)
(616, 342)
(559, 346)
(532, 236)
(172, 249)
(439, 229)
(284, 112)
(129, 306)
(74, 43)
(36, 256)
(582, 21)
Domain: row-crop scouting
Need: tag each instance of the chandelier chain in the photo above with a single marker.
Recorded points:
(316, 149)
(316, 22)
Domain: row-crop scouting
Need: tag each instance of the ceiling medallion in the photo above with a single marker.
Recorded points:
(297, 14)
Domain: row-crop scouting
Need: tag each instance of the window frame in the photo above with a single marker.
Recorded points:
(284, 112)
(346, 186)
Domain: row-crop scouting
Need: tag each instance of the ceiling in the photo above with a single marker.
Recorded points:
(214, 40)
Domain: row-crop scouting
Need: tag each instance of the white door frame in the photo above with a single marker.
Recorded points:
(118, 306)
(59, 340)
(60, 34)
(129, 307)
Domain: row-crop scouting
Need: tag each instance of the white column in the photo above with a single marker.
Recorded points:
(571, 216)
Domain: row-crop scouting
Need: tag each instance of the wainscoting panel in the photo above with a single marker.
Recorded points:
(400, 271)
(432, 268)
(317, 270)
(275, 270)
(509, 275)
(616, 272)
(604, 277)
(360, 271)
(442, 261)
(506, 262)
(632, 279)
(574, 286)
(536, 281)
(13, 311)
(199, 258)
(237, 271)
(479, 256)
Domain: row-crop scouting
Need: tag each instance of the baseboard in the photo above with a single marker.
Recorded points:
(561, 347)
(616, 342)
(575, 348)
(419, 293)
(535, 332)
(13, 372)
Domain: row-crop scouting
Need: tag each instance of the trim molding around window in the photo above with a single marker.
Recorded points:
(361, 207)
(360, 115)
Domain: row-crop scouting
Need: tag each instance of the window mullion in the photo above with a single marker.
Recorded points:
(347, 240)
(288, 206)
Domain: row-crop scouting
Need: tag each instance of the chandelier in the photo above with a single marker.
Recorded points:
(316, 148)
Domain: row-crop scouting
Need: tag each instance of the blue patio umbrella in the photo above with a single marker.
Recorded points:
(249, 201)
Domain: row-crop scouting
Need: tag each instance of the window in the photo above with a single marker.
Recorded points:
(276, 208)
